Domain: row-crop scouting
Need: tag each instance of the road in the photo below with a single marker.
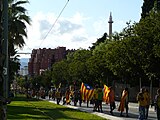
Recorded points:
(133, 111)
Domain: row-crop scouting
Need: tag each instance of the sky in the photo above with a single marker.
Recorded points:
(80, 24)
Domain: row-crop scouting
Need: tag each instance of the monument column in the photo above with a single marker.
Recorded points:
(110, 24)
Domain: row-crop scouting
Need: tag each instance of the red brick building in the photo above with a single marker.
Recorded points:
(42, 59)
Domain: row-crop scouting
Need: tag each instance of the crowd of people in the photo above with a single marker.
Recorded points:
(74, 95)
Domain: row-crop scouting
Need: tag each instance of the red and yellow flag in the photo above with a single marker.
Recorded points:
(122, 102)
(87, 92)
(106, 90)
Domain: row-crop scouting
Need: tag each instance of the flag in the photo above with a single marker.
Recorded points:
(122, 101)
(106, 90)
(59, 86)
(87, 92)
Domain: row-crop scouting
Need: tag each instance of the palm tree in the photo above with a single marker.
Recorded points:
(17, 31)
(17, 19)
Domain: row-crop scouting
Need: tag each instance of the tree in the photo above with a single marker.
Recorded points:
(99, 69)
(17, 21)
(147, 7)
(1, 63)
(46, 79)
(148, 30)
(99, 40)
(60, 73)
(121, 54)
(78, 67)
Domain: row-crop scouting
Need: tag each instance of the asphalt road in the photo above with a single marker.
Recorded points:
(133, 111)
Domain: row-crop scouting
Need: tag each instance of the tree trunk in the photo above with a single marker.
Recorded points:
(1, 65)
(0, 47)
(3, 115)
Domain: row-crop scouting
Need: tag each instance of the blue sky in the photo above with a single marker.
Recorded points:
(80, 24)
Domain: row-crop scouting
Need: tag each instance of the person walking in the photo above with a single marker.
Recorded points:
(141, 98)
(49, 94)
(95, 97)
(147, 103)
(67, 94)
(111, 97)
(157, 103)
(58, 96)
(75, 97)
(124, 102)
(79, 98)
(100, 99)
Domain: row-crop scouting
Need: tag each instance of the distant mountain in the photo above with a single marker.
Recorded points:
(24, 62)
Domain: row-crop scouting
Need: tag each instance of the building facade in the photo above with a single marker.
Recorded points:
(43, 59)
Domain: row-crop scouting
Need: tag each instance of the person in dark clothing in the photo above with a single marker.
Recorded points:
(157, 103)
(75, 97)
(80, 98)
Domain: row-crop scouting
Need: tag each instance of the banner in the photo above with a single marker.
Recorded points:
(87, 92)
(106, 90)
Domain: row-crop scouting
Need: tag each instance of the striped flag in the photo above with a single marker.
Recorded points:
(105, 95)
(87, 92)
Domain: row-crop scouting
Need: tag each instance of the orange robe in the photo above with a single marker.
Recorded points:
(111, 96)
(122, 102)
(68, 97)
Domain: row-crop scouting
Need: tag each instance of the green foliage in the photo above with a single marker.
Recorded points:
(148, 30)
(147, 7)
(60, 73)
(78, 68)
(17, 21)
(99, 40)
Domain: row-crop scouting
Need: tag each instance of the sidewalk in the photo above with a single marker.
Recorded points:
(133, 111)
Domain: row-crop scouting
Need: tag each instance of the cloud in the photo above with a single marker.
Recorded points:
(64, 30)
(68, 27)
(44, 27)
(70, 32)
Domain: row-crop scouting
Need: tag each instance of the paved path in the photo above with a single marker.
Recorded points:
(133, 111)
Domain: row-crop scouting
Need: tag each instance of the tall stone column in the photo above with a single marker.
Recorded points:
(110, 25)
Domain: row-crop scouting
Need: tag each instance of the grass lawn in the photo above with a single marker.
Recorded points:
(33, 109)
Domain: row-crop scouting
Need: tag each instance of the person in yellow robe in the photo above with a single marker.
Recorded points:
(67, 94)
(142, 101)
(124, 102)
